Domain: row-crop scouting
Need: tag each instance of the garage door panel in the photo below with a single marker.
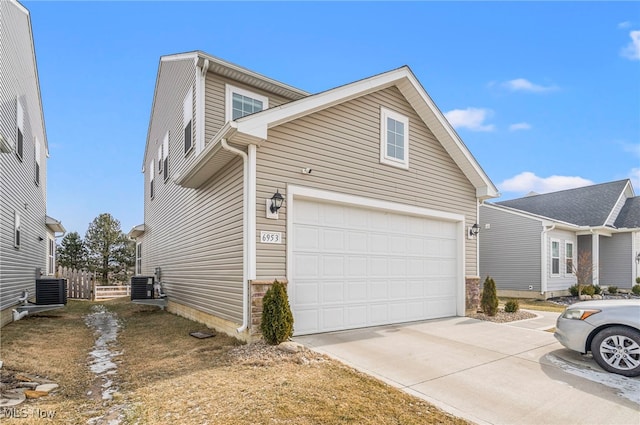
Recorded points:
(362, 267)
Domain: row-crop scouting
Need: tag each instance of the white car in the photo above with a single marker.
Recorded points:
(609, 329)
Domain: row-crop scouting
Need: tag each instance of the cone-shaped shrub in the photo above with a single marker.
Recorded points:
(277, 320)
(489, 300)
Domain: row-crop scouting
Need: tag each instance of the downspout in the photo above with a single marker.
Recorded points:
(249, 224)
(544, 257)
(200, 107)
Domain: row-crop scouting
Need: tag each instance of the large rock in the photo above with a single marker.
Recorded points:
(12, 398)
(290, 347)
(47, 388)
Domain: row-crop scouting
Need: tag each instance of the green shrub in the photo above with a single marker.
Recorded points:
(277, 320)
(598, 289)
(512, 306)
(489, 300)
(612, 289)
(586, 290)
(636, 289)
(638, 280)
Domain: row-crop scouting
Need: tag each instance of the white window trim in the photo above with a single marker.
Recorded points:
(152, 168)
(17, 230)
(37, 155)
(233, 89)
(51, 256)
(572, 258)
(19, 129)
(384, 159)
(559, 257)
(139, 258)
(165, 154)
(187, 117)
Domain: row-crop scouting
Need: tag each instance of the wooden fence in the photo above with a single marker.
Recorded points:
(82, 284)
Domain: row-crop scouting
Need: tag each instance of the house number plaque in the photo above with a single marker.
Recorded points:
(270, 237)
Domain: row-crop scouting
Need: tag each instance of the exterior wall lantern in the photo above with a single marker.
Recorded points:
(274, 204)
(473, 231)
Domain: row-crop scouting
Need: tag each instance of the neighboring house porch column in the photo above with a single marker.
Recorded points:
(595, 258)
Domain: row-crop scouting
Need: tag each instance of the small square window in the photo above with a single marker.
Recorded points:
(394, 139)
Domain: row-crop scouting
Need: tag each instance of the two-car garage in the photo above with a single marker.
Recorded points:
(361, 262)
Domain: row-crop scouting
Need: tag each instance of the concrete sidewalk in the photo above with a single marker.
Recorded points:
(488, 373)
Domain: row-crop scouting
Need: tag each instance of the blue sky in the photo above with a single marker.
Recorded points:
(546, 95)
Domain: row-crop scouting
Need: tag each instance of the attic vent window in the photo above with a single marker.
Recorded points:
(242, 102)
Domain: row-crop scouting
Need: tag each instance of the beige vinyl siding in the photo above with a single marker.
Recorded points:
(215, 101)
(194, 236)
(18, 190)
(342, 146)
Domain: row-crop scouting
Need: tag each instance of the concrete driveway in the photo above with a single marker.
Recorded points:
(488, 373)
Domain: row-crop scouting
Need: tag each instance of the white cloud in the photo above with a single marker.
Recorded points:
(625, 24)
(632, 50)
(527, 181)
(521, 84)
(470, 118)
(520, 126)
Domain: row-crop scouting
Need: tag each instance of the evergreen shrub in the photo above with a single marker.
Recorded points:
(277, 319)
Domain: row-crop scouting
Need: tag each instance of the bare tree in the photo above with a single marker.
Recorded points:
(583, 270)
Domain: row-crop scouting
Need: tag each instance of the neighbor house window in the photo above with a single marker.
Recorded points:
(139, 258)
(165, 156)
(51, 257)
(187, 119)
(394, 138)
(20, 128)
(242, 102)
(37, 161)
(152, 168)
(555, 257)
(568, 253)
(17, 229)
(159, 159)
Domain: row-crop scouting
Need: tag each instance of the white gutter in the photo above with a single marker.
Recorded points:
(249, 224)
(544, 256)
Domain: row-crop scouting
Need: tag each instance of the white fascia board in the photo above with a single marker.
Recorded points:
(258, 124)
(450, 139)
(546, 221)
(359, 201)
(621, 199)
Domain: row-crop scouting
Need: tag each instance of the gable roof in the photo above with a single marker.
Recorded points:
(254, 128)
(584, 206)
(629, 217)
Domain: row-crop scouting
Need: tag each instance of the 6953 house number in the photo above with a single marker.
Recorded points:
(270, 237)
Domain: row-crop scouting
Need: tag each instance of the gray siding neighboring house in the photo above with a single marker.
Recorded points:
(365, 236)
(600, 221)
(27, 234)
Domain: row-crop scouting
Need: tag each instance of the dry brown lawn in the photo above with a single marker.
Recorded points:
(165, 376)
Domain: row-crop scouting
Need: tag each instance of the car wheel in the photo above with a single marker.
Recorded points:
(617, 350)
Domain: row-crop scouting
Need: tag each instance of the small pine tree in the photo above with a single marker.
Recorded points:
(277, 320)
(489, 300)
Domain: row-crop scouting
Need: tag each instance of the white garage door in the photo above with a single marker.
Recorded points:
(356, 267)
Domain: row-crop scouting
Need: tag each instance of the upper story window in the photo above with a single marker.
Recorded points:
(37, 178)
(241, 102)
(152, 168)
(568, 253)
(164, 159)
(555, 257)
(20, 131)
(187, 120)
(394, 139)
